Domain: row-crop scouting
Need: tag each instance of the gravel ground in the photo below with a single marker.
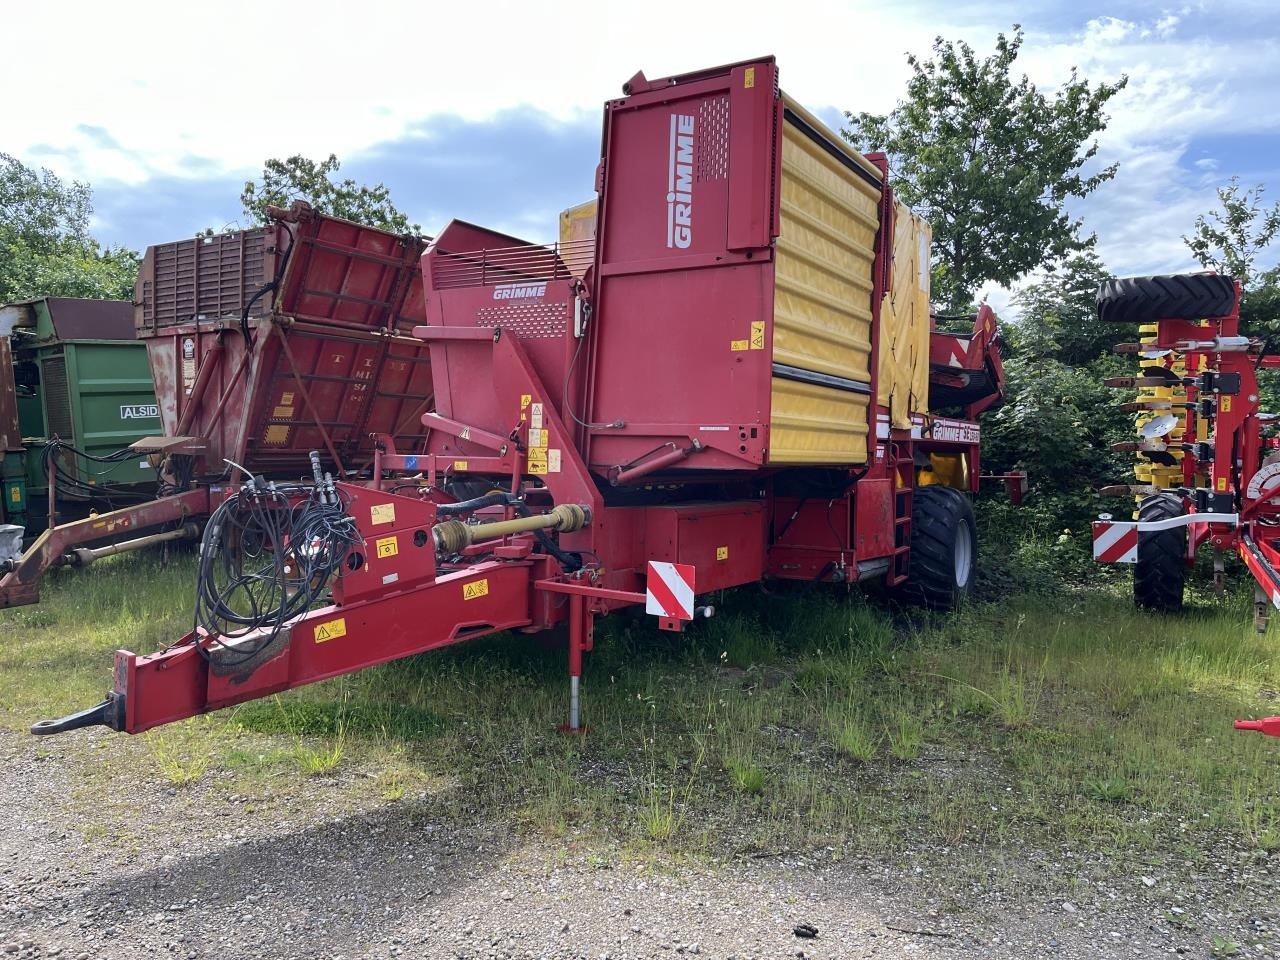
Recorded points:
(98, 864)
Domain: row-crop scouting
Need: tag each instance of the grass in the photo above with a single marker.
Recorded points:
(817, 719)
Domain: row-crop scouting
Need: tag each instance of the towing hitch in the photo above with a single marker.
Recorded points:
(108, 713)
(1268, 726)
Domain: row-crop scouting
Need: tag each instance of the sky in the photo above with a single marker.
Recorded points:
(491, 113)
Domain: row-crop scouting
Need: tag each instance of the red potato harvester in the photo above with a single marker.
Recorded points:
(728, 379)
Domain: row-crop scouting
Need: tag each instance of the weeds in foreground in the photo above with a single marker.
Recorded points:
(905, 733)
(1220, 946)
(317, 761)
(747, 776)
(853, 737)
(181, 760)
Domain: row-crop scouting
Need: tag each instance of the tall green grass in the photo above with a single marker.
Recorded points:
(815, 717)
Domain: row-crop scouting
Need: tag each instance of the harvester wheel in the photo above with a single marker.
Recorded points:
(1161, 571)
(1193, 296)
(944, 548)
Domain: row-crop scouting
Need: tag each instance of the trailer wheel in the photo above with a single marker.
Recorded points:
(1161, 571)
(1193, 296)
(944, 548)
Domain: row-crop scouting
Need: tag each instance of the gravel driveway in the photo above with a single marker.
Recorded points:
(119, 864)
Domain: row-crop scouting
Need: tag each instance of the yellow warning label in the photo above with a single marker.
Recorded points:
(1222, 484)
(722, 553)
(388, 547)
(331, 630)
(538, 461)
(460, 465)
(1224, 404)
(382, 513)
(739, 344)
(477, 588)
(525, 400)
(757, 335)
(749, 78)
(537, 438)
(15, 496)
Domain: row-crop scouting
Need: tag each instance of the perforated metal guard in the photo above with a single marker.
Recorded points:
(528, 321)
(713, 139)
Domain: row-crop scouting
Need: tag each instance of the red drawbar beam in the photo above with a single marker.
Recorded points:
(1268, 726)
(22, 584)
(180, 682)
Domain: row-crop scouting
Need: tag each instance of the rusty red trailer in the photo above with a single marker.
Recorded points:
(268, 343)
(264, 344)
(728, 382)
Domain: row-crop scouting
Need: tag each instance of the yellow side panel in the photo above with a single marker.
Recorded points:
(813, 424)
(578, 222)
(823, 264)
(904, 322)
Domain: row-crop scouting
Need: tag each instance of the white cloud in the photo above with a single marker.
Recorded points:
(172, 90)
(173, 81)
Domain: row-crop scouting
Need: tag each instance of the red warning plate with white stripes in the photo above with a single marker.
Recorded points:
(1115, 542)
(669, 590)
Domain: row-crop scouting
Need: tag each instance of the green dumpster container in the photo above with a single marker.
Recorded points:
(81, 376)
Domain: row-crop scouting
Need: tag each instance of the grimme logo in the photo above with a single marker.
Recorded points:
(139, 411)
(680, 183)
(519, 291)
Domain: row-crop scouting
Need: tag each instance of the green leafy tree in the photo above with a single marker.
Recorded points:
(297, 178)
(1059, 316)
(990, 161)
(45, 246)
(1230, 240)
(1233, 240)
(1057, 423)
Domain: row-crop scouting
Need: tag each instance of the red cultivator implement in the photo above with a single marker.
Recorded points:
(1212, 476)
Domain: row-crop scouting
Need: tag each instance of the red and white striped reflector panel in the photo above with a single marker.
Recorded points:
(1115, 542)
(668, 590)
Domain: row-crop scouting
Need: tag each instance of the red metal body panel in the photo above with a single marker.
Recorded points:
(670, 296)
(723, 541)
(327, 361)
(965, 369)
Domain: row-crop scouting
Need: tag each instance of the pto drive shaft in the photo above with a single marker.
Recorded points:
(454, 536)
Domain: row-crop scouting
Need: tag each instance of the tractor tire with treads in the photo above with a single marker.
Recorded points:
(1192, 296)
(944, 548)
(1161, 571)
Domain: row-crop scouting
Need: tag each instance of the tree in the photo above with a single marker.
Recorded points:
(45, 246)
(990, 161)
(1230, 240)
(1059, 316)
(296, 177)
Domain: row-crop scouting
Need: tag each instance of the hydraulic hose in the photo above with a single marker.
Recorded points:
(495, 499)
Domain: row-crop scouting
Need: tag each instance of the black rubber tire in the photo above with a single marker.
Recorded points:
(939, 517)
(1191, 296)
(1161, 571)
